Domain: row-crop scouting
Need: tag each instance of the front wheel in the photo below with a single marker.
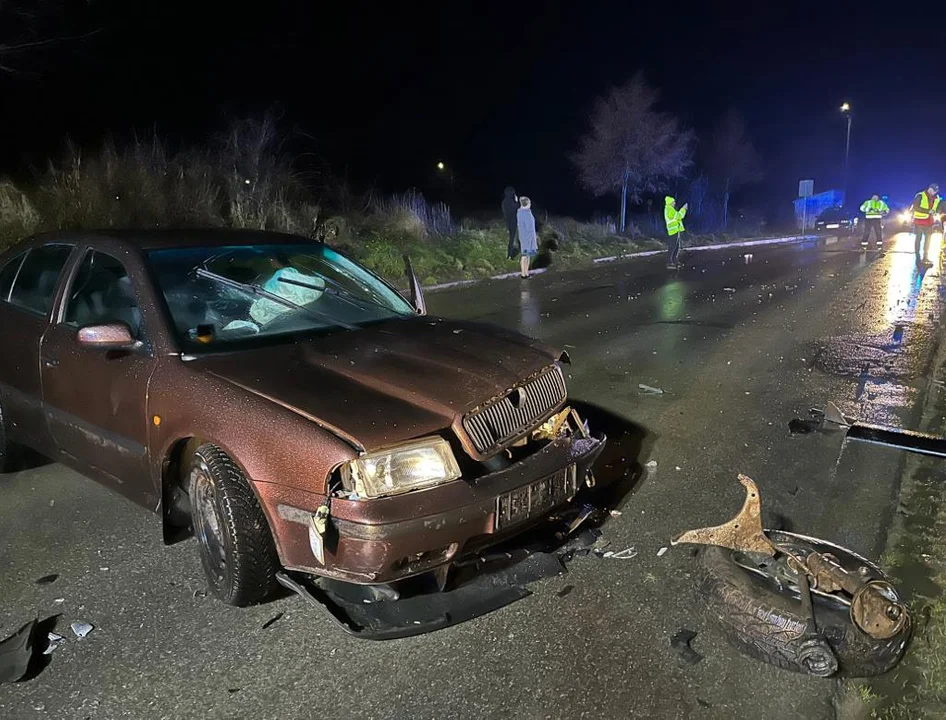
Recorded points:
(756, 602)
(236, 548)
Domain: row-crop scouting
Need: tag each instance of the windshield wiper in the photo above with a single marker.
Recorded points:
(338, 291)
(257, 290)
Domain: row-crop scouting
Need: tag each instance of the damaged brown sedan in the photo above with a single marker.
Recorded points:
(285, 404)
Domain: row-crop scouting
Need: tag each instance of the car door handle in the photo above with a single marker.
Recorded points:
(51, 362)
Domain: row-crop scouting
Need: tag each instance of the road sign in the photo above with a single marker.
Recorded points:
(806, 188)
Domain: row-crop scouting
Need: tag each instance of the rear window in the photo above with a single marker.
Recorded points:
(34, 286)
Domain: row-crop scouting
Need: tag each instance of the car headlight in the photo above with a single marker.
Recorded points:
(905, 217)
(938, 217)
(414, 466)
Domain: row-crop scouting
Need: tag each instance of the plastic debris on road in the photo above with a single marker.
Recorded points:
(272, 620)
(615, 513)
(81, 629)
(649, 390)
(15, 653)
(661, 552)
(729, 289)
(651, 464)
(625, 554)
(681, 643)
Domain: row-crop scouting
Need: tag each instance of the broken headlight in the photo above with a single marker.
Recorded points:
(414, 466)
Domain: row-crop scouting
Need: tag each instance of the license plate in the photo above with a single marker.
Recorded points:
(535, 498)
(832, 226)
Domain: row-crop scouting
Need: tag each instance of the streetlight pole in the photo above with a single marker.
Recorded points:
(846, 109)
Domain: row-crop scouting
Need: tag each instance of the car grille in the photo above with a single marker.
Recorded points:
(518, 411)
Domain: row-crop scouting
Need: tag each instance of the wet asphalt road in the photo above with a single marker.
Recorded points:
(740, 346)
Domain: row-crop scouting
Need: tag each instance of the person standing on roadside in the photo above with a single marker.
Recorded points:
(874, 211)
(528, 240)
(674, 220)
(510, 209)
(924, 208)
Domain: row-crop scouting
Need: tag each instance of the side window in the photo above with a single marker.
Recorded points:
(35, 285)
(102, 293)
(8, 275)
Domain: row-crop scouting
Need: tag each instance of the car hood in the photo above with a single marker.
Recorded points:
(390, 382)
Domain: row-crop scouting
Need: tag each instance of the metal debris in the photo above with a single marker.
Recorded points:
(54, 641)
(81, 629)
(681, 643)
(743, 532)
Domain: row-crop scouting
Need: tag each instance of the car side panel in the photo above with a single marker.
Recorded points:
(20, 385)
(270, 443)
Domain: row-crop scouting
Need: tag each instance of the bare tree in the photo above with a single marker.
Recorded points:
(734, 162)
(631, 147)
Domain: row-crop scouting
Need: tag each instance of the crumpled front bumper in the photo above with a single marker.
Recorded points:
(390, 539)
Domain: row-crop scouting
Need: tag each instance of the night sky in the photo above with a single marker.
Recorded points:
(498, 91)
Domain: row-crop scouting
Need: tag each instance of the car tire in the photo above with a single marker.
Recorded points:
(765, 621)
(233, 537)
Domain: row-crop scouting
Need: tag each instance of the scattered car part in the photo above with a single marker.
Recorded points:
(799, 602)
(54, 640)
(425, 612)
(15, 653)
(907, 440)
(681, 643)
(81, 629)
(649, 389)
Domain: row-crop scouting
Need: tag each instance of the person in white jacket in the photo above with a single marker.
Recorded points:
(528, 241)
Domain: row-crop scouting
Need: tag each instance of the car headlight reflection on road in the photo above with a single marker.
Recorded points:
(905, 218)
(416, 465)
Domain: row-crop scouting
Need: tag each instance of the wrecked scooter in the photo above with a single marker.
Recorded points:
(798, 602)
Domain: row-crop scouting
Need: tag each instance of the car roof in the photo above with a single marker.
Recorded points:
(177, 238)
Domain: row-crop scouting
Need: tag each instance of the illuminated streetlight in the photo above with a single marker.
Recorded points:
(846, 109)
(440, 166)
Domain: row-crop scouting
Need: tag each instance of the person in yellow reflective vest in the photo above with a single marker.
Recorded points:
(924, 207)
(874, 211)
(674, 220)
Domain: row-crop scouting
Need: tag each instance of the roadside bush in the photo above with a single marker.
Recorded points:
(244, 179)
(18, 217)
(410, 213)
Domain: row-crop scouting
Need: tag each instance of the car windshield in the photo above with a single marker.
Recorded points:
(221, 296)
(832, 215)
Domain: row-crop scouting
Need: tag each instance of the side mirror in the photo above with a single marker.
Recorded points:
(110, 336)
(417, 295)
